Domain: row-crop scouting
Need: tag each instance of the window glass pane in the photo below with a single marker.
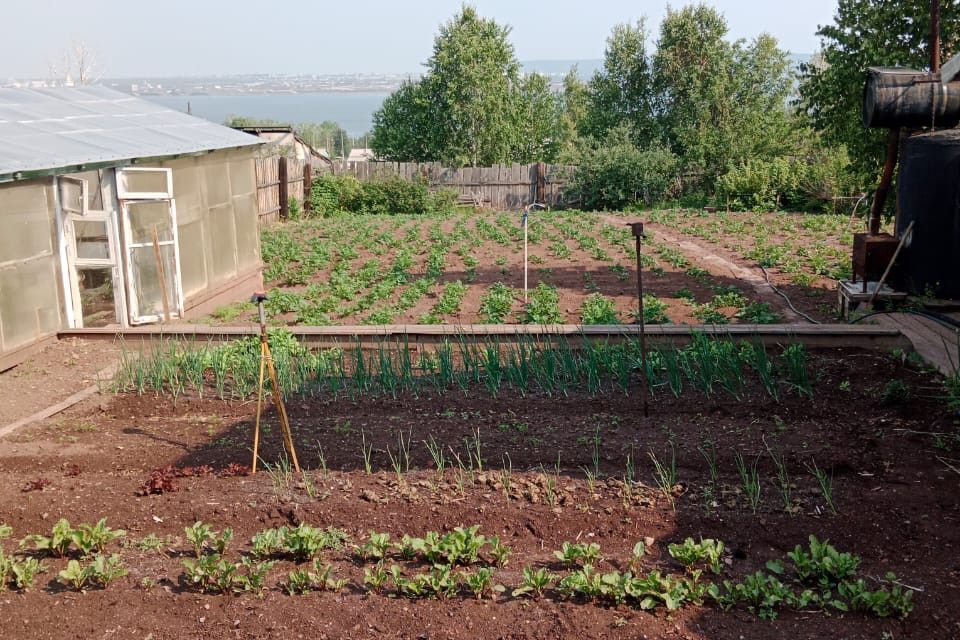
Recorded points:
(146, 279)
(92, 238)
(144, 216)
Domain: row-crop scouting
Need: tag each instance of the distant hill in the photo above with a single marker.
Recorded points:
(587, 67)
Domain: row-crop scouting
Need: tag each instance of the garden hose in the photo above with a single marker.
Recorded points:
(784, 296)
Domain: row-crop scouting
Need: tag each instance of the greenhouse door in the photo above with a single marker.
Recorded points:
(92, 273)
(150, 245)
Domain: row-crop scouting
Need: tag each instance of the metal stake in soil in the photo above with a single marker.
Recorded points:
(637, 229)
(266, 361)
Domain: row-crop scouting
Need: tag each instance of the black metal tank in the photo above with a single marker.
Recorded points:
(929, 196)
(894, 97)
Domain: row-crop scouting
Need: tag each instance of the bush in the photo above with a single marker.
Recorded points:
(617, 174)
(330, 194)
(797, 184)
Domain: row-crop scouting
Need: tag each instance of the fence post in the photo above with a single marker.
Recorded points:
(283, 188)
(307, 182)
(541, 182)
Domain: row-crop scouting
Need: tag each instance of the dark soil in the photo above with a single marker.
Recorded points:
(898, 504)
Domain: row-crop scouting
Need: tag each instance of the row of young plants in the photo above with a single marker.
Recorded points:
(91, 567)
(528, 365)
(802, 246)
(817, 577)
(295, 254)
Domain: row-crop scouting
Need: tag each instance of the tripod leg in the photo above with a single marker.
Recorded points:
(282, 411)
(256, 428)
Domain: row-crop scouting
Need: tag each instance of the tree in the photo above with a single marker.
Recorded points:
(719, 103)
(622, 92)
(404, 128)
(539, 111)
(867, 33)
(573, 110)
(471, 107)
(78, 65)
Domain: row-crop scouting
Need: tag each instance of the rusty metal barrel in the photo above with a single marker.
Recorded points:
(894, 97)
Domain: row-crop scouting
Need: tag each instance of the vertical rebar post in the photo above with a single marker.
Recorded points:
(637, 229)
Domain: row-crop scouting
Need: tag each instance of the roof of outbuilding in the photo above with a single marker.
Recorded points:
(45, 130)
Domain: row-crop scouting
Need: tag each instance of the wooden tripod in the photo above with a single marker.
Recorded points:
(266, 363)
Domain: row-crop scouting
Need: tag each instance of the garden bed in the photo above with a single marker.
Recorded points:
(579, 465)
(468, 268)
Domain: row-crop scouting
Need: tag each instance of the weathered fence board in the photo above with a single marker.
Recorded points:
(500, 187)
(270, 192)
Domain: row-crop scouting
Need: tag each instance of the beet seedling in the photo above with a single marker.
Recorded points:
(375, 548)
(480, 582)
(57, 544)
(571, 554)
(534, 583)
(25, 572)
(95, 537)
(689, 553)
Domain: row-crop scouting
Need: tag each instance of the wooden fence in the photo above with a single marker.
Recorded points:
(500, 187)
(278, 180)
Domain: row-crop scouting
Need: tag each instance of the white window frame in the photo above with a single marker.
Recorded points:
(84, 195)
(71, 263)
(126, 199)
(123, 194)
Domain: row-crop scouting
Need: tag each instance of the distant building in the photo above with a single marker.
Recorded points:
(118, 211)
(284, 140)
(361, 155)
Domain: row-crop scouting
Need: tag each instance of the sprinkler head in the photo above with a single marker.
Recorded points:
(637, 229)
(258, 297)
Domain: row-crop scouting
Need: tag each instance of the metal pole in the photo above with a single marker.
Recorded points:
(524, 222)
(637, 229)
(934, 36)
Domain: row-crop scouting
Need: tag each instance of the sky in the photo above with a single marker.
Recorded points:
(220, 37)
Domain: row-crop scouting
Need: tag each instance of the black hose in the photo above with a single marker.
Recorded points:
(939, 318)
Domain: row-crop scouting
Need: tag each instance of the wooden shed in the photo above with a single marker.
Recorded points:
(118, 211)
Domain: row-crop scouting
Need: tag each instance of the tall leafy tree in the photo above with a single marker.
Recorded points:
(470, 82)
(472, 106)
(622, 92)
(867, 33)
(404, 127)
(538, 125)
(719, 103)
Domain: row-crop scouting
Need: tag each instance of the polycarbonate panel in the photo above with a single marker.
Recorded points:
(27, 223)
(133, 181)
(216, 178)
(223, 243)
(187, 192)
(146, 279)
(248, 233)
(29, 302)
(193, 268)
(145, 216)
(92, 239)
(242, 176)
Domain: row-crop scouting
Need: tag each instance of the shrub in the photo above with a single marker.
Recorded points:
(330, 194)
(617, 174)
(799, 184)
